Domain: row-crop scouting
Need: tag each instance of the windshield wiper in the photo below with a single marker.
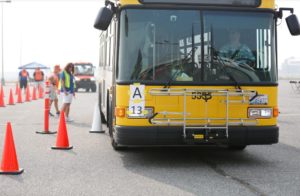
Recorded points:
(224, 68)
(175, 74)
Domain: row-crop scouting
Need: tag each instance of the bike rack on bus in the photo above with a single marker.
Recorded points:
(206, 123)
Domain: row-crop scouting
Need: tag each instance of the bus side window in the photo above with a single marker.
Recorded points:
(263, 58)
(108, 46)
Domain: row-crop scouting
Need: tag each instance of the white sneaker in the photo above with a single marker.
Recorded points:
(69, 119)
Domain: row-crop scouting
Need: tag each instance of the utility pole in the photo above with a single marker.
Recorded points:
(2, 43)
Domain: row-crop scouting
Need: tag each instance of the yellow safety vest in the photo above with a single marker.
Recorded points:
(67, 80)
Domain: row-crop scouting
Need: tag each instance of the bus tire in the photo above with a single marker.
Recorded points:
(109, 121)
(237, 147)
(107, 110)
(111, 129)
(93, 88)
(103, 120)
(115, 145)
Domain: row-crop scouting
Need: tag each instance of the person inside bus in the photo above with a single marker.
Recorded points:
(236, 51)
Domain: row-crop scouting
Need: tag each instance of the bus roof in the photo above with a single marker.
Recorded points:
(264, 3)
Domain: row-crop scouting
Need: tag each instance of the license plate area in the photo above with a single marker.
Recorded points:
(206, 134)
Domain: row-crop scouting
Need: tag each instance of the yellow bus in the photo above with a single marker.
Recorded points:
(190, 72)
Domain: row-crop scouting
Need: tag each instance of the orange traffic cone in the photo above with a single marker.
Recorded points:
(11, 98)
(40, 88)
(17, 89)
(27, 99)
(1, 91)
(1, 100)
(62, 140)
(19, 96)
(9, 164)
(34, 93)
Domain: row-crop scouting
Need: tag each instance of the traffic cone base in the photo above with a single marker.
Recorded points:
(61, 148)
(9, 164)
(46, 132)
(12, 172)
(91, 131)
(97, 125)
(62, 140)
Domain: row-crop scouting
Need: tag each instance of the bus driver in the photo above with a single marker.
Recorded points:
(236, 51)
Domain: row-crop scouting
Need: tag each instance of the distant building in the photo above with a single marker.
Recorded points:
(290, 68)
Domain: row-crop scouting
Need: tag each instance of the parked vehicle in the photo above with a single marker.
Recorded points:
(165, 81)
(84, 77)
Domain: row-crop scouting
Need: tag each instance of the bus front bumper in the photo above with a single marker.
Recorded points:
(170, 135)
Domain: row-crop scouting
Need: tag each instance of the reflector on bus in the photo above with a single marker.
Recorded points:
(234, 3)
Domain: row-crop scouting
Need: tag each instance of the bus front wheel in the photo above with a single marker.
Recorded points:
(111, 129)
(115, 144)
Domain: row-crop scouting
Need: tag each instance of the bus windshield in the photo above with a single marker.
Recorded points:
(196, 47)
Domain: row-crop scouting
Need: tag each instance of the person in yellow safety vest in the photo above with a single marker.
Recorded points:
(38, 76)
(54, 85)
(67, 89)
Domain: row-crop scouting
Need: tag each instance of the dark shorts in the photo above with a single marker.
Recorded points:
(23, 84)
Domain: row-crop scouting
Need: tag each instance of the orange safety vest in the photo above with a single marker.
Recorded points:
(56, 80)
(38, 76)
(24, 73)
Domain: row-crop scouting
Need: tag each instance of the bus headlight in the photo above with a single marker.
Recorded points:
(260, 112)
(77, 79)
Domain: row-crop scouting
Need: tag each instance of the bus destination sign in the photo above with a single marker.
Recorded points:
(234, 3)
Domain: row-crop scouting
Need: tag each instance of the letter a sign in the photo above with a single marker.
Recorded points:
(137, 100)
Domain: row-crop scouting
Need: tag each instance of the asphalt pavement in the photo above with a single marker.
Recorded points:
(92, 167)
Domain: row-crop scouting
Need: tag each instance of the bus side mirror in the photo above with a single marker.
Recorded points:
(293, 24)
(103, 19)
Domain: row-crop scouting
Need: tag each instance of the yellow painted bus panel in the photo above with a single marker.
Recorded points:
(267, 4)
(129, 2)
(196, 108)
(264, 3)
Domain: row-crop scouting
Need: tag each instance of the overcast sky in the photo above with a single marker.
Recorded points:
(60, 31)
(50, 32)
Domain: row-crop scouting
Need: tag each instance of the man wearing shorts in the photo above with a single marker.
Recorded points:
(23, 79)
